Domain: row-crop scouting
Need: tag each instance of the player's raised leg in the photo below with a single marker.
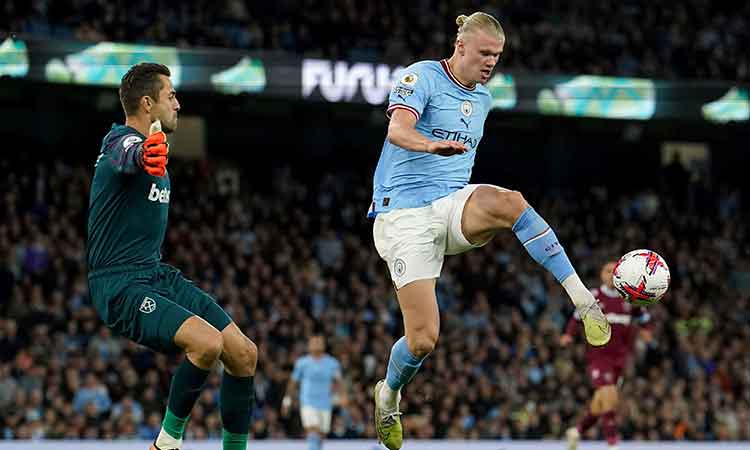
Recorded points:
(490, 209)
(237, 394)
(203, 344)
(422, 325)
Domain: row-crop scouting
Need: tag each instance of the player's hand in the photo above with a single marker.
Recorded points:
(286, 405)
(647, 336)
(565, 340)
(155, 154)
(446, 148)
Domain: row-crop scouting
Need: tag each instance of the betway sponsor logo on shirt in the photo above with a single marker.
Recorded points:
(158, 195)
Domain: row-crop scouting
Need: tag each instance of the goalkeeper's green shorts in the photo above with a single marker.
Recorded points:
(148, 305)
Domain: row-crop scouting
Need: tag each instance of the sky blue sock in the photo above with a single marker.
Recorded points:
(314, 442)
(402, 366)
(541, 242)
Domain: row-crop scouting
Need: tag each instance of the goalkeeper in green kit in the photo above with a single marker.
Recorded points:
(137, 295)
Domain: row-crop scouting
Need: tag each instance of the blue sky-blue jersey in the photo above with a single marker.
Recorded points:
(445, 110)
(316, 377)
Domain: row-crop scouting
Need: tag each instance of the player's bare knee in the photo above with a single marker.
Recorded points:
(610, 401)
(604, 399)
(422, 343)
(505, 206)
(241, 358)
(513, 205)
(214, 347)
(208, 348)
(247, 356)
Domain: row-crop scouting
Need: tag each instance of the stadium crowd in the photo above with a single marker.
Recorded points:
(300, 260)
(659, 39)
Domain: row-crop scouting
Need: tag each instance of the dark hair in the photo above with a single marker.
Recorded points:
(142, 79)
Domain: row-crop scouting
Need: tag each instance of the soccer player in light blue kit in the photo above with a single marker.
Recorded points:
(425, 209)
(319, 377)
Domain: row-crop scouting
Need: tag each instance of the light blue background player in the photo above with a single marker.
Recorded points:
(318, 375)
(425, 209)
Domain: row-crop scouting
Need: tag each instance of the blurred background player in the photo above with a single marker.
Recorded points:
(318, 375)
(425, 209)
(137, 295)
(606, 364)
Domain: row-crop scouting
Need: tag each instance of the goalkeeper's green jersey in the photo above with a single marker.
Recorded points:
(128, 208)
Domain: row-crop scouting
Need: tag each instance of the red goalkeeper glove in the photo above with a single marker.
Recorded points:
(154, 155)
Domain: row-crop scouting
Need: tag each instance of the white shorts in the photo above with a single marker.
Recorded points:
(316, 418)
(414, 241)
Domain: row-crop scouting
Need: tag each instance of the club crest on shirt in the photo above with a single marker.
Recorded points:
(466, 108)
(130, 140)
(410, 79)
(399, 267)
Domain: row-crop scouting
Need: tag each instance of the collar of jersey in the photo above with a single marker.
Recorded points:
(608, 291)
(115, 125)
(447, 68)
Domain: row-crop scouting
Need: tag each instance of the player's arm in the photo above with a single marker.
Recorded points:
(408, 99)
(402, 132)
(125, 155)
(571, 330)
(286, 402)
(131, 154)
(339, 390)
(291, 389)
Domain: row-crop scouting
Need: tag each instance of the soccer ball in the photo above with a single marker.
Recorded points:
(641, 277)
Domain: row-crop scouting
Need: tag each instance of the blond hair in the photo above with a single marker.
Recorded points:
(479, 21)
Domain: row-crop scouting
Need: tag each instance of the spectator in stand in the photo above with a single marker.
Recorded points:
(688, 39)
